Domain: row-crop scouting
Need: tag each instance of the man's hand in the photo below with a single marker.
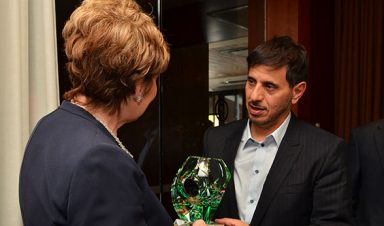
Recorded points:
(230, 222)
(199, 223)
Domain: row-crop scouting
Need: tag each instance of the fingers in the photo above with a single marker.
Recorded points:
(199, 223)
(230, 222)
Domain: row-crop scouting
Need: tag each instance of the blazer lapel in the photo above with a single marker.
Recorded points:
(230, 152)
(232, 144)
(229, 155)
(379, 141)
(285, 157)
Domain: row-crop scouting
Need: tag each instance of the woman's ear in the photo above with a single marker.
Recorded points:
(298, 91)
(139, 90)
(139, 87)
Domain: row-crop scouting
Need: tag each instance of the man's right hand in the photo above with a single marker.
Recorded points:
(199, 223)
(230, 222)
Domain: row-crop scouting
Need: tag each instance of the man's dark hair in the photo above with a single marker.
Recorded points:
(278, 52)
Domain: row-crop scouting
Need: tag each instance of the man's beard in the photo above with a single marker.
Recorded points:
(271, 120)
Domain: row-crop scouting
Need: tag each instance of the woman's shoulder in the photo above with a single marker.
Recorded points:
(110, 163)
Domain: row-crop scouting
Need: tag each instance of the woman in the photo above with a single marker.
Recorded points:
(75, 169)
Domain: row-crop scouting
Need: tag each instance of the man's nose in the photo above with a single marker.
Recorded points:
(257, 93)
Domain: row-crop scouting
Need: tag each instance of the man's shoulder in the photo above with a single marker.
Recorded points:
(366, 128)
(215, 138)
(219, 134)
(309, 130)
(230, 127)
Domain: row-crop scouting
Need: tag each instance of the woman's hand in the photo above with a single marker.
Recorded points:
(230, 222)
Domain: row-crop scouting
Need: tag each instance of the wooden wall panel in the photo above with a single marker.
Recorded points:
(256, 23)
(282, 18)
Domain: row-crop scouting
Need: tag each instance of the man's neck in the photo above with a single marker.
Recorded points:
(259, 133)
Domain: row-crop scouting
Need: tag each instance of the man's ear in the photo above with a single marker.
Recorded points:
(298, 91)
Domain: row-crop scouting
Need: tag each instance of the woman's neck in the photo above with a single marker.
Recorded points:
(110, 121)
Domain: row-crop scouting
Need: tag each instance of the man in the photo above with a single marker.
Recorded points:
(285, 172)
(366, 164)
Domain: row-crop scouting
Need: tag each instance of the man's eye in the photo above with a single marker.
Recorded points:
(270, 86)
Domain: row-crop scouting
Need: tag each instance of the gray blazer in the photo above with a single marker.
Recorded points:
(73, 173)
(307, 183)
(366, 164)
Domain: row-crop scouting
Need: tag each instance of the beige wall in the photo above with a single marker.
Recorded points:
(28, 88)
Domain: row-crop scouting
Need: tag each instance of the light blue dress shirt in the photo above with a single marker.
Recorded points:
(252, 164)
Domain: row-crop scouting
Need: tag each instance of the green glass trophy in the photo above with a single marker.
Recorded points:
(198, 188)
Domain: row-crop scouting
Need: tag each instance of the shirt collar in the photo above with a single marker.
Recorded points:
(277, 135)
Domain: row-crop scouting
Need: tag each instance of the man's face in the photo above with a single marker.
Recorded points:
(268, 97)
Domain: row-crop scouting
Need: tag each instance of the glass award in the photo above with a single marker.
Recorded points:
(198, 188)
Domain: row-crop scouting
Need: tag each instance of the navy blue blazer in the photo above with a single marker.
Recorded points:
(306, 185)
(74, 173)
(366, 163)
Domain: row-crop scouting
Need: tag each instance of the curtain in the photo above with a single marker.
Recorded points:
(28, 88)
(359, 60)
